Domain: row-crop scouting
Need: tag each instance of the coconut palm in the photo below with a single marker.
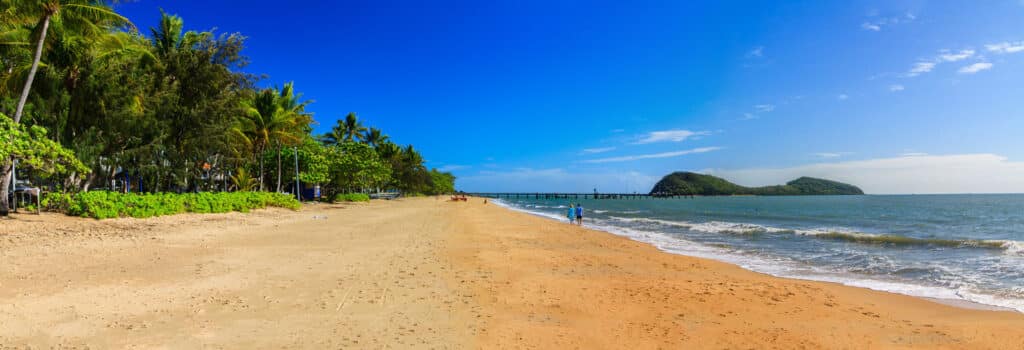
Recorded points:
(348, 130)
(374, 137)
(87, 18)
(272, 118)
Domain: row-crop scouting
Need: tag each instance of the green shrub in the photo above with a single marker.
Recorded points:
(55, 201)
(103, 204)
(352, 197)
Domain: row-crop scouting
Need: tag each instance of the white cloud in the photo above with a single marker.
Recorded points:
(653, 156)
(921, 67)
(961, 173)
(831, 154)
(896, 87)
(974, 68)
(944, 55)
(452, 167)
(913, 154)
(842, 97)
(757, 51)
(870, 26)
(877, 24)
(953, 57)
(597, 150)
(1006, 47)
(749, 116)
(764, 108)
(556, 180)
(670, 135)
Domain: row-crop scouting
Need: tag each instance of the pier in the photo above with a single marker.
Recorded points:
(539, 195)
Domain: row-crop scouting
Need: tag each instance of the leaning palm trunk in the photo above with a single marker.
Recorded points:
(5, 172)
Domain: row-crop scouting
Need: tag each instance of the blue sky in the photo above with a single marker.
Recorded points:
(894, 96)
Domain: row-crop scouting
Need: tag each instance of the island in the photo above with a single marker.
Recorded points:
(685, 183)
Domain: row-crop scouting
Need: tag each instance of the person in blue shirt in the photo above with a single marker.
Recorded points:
(579, 214)
(571, 214)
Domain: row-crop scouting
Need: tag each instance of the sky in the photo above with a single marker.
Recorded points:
(895, 96)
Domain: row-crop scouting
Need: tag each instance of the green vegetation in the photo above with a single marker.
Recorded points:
(352, 197)
(104, 204)
(688, 183)
(97, 104)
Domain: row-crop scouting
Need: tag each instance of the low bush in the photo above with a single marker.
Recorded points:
(55, 201)
(104, 204)
(352, 197)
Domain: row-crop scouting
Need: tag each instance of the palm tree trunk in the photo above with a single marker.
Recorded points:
(260, 155)
(5, 172)
(32, 71)
(5, 182)
(278, 167)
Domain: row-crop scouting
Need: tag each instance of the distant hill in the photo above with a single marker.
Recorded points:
(689, 183)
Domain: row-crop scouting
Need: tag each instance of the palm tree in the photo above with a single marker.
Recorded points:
(88, 18)
(374, 137)
(272, 118)
(348, 130)
(293, 109)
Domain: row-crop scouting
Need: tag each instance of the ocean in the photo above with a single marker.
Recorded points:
(953, 247)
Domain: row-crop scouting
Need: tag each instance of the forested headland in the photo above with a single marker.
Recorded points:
(90, 102)
(685, 183)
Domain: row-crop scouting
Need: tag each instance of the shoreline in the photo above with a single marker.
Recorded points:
(960, 302)
(666, 299)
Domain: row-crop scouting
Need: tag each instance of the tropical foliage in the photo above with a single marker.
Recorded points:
(96, 104)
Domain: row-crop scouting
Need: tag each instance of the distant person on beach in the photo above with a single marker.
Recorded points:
(579, 214)
(572, 213)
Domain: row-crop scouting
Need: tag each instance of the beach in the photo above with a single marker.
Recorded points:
(427, 273)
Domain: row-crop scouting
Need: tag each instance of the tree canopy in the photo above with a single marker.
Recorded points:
(95, 104)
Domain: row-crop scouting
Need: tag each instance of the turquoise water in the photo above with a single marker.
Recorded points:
(965, 247)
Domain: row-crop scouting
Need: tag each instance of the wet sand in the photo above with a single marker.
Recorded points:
(426, 273)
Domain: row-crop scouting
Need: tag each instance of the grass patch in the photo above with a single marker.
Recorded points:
(352, 197)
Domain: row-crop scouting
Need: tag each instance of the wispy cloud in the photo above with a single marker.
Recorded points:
(842, 97)
(944, 55)
(598, 150)
(974, 68)
(915, 173)
(831, 154)
(870, 26)
(1006, 47)
(452, 167)
(757, 51)
(670, 136)
(896, 87)
(653, 156)
(749, 116)
(876, 24)
(764, 108)
(920, 68)
(948, 56)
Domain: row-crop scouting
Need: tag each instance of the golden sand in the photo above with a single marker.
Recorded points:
(425, 273)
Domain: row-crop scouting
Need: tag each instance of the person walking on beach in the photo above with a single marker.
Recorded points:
(579, 214)
(571, 214)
